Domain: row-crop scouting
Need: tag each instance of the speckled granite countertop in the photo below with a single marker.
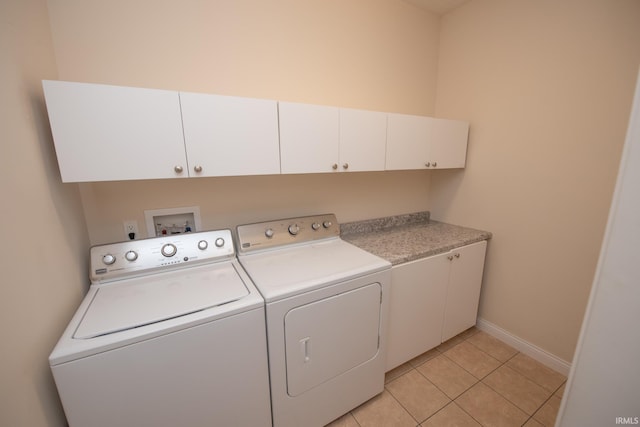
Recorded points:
(405, 238)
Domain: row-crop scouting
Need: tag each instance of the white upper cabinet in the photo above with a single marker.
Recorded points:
(363, 139)
(104, 133)
(448, 143)
(316, 138)
(226, 135)
(309, 138)
(418, 142)
(407, 141)
(112, 133)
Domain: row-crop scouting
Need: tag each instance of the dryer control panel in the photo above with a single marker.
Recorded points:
(137, 257)
(270, 234)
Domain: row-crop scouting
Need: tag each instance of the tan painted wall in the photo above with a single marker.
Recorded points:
(346, 53)
(547, 86)
(370, 54)
(45, 243)
(227, 202)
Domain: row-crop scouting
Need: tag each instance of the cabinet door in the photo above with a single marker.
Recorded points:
(309, 138)
(408, 141)
(463, 291)
(448, 143)
(226, 135)
(416, 307)
(363, 140)
(104, 133)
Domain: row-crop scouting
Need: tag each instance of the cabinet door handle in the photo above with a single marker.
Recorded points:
(450, 257)
(435, 164)
(345, 166)
(457, 255)
(178, 169)
(197, 169)
(334, 166)
(428, 164)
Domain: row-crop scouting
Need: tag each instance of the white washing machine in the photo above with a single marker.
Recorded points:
(326, 303)
(171, 333)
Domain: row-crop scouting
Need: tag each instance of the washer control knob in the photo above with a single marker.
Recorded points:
(169, 250)
(131, 256)
(294, 229)
(108, 259)
(315, 225)
(269, 232)
(202, 245)
(327, 224)
(219, 242)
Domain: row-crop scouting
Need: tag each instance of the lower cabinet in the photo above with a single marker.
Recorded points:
(432, 300)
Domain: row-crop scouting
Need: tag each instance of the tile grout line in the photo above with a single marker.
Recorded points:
(530, 417)
(478, 380)
(441, 350)
(442, 391)
(548, 399)
(401, 405)
(500, 394)
(481, 380)
(453, 401)
(466, 370)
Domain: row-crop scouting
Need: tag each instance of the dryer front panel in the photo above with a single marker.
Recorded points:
(329, 337)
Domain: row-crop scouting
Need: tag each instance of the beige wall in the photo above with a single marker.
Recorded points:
(547, 86)
(346, 53)
(370, 54)
(45, 243)
(227, 202)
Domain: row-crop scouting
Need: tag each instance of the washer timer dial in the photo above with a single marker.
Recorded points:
(294, 229)
(169, 250)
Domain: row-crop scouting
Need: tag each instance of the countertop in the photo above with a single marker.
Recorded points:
(405, 238)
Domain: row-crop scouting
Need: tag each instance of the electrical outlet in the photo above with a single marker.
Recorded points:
(131, 226)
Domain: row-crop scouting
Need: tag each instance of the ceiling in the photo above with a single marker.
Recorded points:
(438, 6)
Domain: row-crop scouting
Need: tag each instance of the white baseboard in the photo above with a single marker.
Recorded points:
(531, 350)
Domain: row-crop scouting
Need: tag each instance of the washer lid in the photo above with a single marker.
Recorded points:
(128, 304)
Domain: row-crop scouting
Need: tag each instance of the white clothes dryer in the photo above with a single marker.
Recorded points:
(171, 333)
(326, 306)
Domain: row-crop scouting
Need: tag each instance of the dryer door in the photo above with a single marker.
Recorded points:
(326, 338)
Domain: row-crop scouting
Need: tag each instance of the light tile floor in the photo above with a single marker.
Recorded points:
(473, 379)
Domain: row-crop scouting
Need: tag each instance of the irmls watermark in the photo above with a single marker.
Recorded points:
(628, 420)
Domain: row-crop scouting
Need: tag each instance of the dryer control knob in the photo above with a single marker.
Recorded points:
(169, 250)
(315, 225)
(327, 224)
(202, 245)
(219, 242)
(294, 229)
(269, 233)
(108, 259)
(131, 256)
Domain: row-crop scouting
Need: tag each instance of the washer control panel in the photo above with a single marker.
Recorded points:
(271, 234)
(138, 257)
